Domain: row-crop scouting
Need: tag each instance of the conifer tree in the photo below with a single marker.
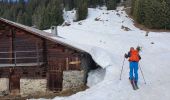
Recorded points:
(82, 10)
(152, 13)
(132, 6)
(138, 11)
(55, 13)
(111, 4)
(164, 15)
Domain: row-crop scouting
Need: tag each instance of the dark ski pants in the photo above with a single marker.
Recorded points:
(133, 70)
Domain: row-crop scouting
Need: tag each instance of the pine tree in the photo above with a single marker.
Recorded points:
(38, 17)
(164, 14)
(152, 13)
(68, 4)
(111, 4)
(55, 13)
(47, 16)
(20, 17)
(138, 11)
(82, 10)
(132, 6)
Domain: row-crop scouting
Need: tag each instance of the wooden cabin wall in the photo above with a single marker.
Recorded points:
(25, 45)
(30, 45)
(5, 46)
(59, 55)
(30, 72)
(60, 58)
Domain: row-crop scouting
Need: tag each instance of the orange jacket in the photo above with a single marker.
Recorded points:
(134, 55)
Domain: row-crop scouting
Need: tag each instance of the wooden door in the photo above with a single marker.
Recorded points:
(14, 82)
(55, 73)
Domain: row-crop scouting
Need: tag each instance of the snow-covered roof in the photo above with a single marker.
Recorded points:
(41, 33)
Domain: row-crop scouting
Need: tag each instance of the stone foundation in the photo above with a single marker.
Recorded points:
(32, 86)
(72, 79)
(4, 86)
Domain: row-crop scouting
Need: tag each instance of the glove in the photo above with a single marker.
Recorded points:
(126, 56)
(138, 48)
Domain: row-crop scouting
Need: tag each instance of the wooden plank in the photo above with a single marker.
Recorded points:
(44, 51)
(20, 64)
(11, 47)
(74, 62)
(67, 63)
(6, 58)
(14, 81)
(55, 72)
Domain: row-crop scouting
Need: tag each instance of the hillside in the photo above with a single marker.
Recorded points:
(107, 42)
(43, 14)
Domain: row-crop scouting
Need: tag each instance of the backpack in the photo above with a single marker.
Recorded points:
(134, 56)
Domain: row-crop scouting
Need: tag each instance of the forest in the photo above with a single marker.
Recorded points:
(43, 14)
(154, 14)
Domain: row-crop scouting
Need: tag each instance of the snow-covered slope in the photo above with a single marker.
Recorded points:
(104, 39)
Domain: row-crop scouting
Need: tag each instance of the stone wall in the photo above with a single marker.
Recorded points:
(73, 79)
(4, 86)
(32, 86)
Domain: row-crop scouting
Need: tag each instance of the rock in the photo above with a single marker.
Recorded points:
(80, 23)
(125, 28)
(66, 24)
(3, 93)
(118, 14)
(147, 33)
(97, 19)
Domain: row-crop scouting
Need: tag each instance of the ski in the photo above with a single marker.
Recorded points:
(133, 84)
(136, 86)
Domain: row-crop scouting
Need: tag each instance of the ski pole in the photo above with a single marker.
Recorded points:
(142, 74)
(122, 68)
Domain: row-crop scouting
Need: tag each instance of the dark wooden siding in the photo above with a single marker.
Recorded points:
(24, 72)
(25, 47)
(5, 46)
(69, 57)
(22, 47)
(29, 48)
(60, 58)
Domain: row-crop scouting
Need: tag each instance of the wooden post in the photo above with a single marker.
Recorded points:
(77, 64)
(15, 58)
(14, 55)
(37, 51)
(67, 64)
(11, 46)
(45, 52)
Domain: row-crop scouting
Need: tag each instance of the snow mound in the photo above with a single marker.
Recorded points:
(102, 57)
(95, 76)
(70, 16)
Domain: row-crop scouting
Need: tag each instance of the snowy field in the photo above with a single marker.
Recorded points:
(104, 39)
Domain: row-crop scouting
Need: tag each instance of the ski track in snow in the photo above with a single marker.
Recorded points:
(107, 43)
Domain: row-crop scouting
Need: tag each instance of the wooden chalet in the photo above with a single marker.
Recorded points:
(33, 61)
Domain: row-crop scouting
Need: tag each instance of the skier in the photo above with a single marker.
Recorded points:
(134, 58)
